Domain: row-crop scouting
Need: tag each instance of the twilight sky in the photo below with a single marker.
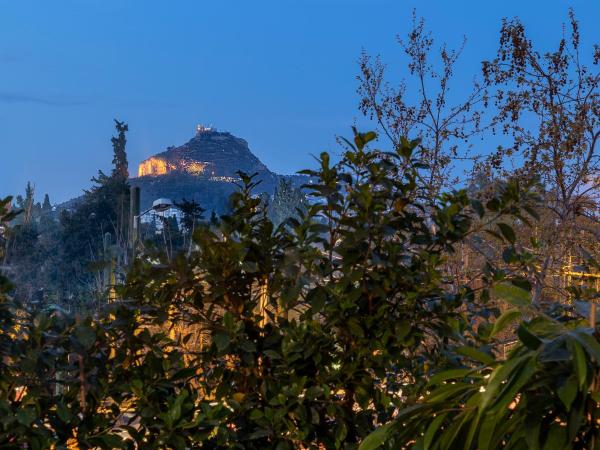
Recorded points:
(279, 73)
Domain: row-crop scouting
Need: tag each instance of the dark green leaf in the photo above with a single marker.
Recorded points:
(221, 340)
(376, 438)
(504, 321)
(512, 294)
(476, 354)
(568, 391)
(528, 338)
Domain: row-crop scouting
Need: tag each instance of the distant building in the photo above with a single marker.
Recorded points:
(200, 129)
(157, 218)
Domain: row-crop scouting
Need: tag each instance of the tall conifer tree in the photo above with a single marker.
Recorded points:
(121, 166)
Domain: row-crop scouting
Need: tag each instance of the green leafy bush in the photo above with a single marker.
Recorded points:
(543, 396)
(311, 334)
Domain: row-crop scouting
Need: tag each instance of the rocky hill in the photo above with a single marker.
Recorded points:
(204, 169)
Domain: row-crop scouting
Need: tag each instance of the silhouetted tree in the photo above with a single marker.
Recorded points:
(46, 206)
(121, 166)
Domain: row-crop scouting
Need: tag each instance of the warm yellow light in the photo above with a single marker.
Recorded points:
(195, 167)
(154, 166)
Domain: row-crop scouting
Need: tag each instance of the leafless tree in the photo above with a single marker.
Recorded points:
(422, 107)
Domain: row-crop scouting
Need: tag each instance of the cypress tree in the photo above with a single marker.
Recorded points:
(121, 166)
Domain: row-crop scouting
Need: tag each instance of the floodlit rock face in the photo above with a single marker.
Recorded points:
(160, 166)
(204, 169)
(154, 166)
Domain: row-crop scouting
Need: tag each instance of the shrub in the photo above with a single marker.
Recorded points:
(308, 335)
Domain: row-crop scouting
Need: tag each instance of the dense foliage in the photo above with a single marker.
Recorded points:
(305, 335)
(312, 328)
(381, 313)
(545, 395)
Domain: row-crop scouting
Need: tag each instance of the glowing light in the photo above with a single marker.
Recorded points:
(154, 166)
(158, 166)
(194, 167)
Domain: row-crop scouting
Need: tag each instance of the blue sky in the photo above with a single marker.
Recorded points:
(279, 73)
